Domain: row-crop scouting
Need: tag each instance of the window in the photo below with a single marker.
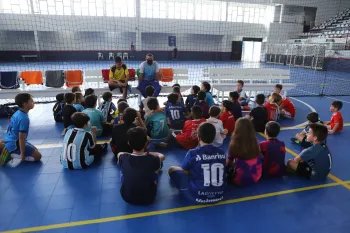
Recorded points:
(52, 7)
(120, 8)
(210, 10)
(16, 6)
(153, 9)
(247, 13)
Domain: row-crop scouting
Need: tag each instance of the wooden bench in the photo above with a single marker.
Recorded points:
(255, 79)
(29, 56)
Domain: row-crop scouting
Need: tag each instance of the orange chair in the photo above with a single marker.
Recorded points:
(32, 77)
(132, 74)
(166, 74)
(74, 78)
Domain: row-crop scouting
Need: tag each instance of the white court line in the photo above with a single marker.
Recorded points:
(344, 101)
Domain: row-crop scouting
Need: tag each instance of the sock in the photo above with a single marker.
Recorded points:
(16, 156)
(29, 158)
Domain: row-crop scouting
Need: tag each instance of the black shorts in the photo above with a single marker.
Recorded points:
(303, 170)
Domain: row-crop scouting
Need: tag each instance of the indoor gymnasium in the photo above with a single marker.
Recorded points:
(174, 116)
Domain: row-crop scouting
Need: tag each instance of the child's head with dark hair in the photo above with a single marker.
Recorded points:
(121, 100)
(239, 85)
(272, 129)
(69, 98)
(317, 133)
(173, 98)
(89, 91)
(234, 96)
(196, 112)
(153, 104)
(149, 91)
(176, 85)
(122, 106)
(107, 96)
(206, 87)
(275, 98)
(129, 116)
(79, 98)
(226, 105)
(76, 89)
(24, 100)
(206, 132)
(260, 99)
(214, 111)
(336, 106)
(176, 90)
(60, 97)
(137, 138)
(313, 117)
(90, 101)
(80, 120)
(195, 89)
(278, 88)
(201, 95)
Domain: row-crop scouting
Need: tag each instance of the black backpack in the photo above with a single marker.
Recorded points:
(7, 111)
(57, 111)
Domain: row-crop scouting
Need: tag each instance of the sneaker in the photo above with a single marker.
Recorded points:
(295, 141)
(5, 157)
(104, 147)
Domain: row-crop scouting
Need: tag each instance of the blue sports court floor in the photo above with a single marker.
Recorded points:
(43, 197)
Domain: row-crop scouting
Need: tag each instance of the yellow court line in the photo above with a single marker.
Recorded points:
(168, 211)
(332, 177)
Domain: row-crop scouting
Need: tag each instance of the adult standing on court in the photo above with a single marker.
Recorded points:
(119, 76)
(149, 75)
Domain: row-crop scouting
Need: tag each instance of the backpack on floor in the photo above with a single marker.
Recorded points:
(57, 111)
(9, 80)
(7, 111)
(54, 78)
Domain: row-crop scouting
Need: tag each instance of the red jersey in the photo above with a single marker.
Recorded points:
(228, 121)
(272, 111)
(337, 118)
(188, 139)
(288, 106)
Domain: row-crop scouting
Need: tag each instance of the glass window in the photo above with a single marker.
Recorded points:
(16, 6)
(120, 8)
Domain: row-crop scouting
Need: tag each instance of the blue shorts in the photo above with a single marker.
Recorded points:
(29, 149)
(144, 83)
(180, 180)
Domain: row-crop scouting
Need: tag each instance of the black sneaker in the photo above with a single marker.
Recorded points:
(295, 141)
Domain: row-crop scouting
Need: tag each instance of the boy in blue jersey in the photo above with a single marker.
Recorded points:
(203, 104)
(202, 179)
(96, 117)
(314, 162)
(175, 111)
(192, 98)
(15, 143)
(156, 124)
(58, 108)
(79, 99)
(209, 98)
(107, 107)
(79, 145)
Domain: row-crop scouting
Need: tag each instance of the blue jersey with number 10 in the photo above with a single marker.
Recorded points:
(206, 167)
(175, 113)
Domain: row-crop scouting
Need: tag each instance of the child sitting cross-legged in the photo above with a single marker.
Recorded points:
(337, 123)
(192, 98)
(221, 133)
(203, 104)
(314, 162)
(244, 160)
(175, 112)
(96, 117)
(84, 141)
(188, 137)
(68, 110)
(301, 138)
(201, 179)
(139, 169)
(58, 107)
(119, 142)
(272, 107)
(107, 107)
(273, 151)
(79, 99)
(236, 108)
(227, 118)
(156, 124)
(121, 108)
(145, 111)
(259, 114)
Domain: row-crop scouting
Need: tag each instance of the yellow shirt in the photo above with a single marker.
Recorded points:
(119, 75)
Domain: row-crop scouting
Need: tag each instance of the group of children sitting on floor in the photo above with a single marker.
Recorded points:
(197, 124)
